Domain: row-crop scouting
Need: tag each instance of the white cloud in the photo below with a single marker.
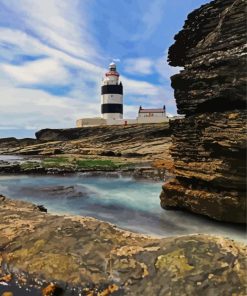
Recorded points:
(130, 111)
(25, 108)
(164, 69)
(138, 87)
(24, 42)
(44, 71)
(67, 55)
(57, 23)
(143, 66)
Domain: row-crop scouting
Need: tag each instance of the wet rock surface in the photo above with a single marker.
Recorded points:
(209, 145)
(82, 255)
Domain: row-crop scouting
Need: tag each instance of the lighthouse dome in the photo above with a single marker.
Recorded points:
(112, 74)
(112, 66)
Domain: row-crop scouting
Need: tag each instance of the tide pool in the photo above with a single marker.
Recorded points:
(130, 204)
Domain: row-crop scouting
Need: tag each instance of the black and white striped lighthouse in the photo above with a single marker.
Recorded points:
(111, 95)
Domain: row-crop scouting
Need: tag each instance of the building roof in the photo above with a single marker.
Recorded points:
(160, 110)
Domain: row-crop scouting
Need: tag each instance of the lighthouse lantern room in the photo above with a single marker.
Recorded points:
(111, 95)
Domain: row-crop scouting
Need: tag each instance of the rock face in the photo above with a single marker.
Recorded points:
(138, 142)
(211, 48)
(96, 258)
(13, 142)
(109, 132)
(209, 145)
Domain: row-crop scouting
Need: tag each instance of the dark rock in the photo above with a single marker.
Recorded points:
(209, 145)
(212, 49)
(4, 142)
(2, 198)
(13, 142)
(41, 208)
(132, 154)
(108, 153)
(6, 168)
(52, 290)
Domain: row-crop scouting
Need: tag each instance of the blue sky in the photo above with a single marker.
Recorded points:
(53, 54)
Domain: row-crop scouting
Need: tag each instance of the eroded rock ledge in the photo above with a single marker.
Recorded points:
(209, 145)
(89, 254)
(136, 142)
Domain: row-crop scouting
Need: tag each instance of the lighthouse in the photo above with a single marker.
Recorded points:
(111, 95)
(112, 106)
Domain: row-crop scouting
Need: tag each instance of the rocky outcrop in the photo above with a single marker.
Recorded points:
(85, 256)
(140, 143)
(212, 49)
(209, 145)
(109, 132)
(13, 142)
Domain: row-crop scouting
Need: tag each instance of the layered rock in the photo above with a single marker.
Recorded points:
(110, 133)
(212, 49)
(209, 145)
(141, 143)
(85, 256)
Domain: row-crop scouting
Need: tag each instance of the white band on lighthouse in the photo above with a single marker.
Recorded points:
(111, 95)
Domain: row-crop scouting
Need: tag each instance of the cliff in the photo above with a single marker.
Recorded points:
(84, 256)
(209, 145)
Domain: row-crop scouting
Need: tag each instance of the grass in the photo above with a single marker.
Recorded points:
(56, 162)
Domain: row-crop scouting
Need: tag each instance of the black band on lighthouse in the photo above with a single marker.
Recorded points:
(112, 89)
(112, 108)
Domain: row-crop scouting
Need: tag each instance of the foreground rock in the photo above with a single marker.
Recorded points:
(209, 145)
(96, 257)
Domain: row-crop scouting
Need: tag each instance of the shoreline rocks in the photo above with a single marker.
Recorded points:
(139, 143)
(83, 255)
(37, 167)
(209, 144)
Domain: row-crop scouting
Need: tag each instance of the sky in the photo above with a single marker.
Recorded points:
(54, 53)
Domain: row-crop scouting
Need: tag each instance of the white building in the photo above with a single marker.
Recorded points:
(112, 105)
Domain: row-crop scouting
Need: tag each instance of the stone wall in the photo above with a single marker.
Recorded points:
(209, 144)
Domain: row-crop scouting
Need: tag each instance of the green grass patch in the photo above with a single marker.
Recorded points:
(54, 162)
(29, 165)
